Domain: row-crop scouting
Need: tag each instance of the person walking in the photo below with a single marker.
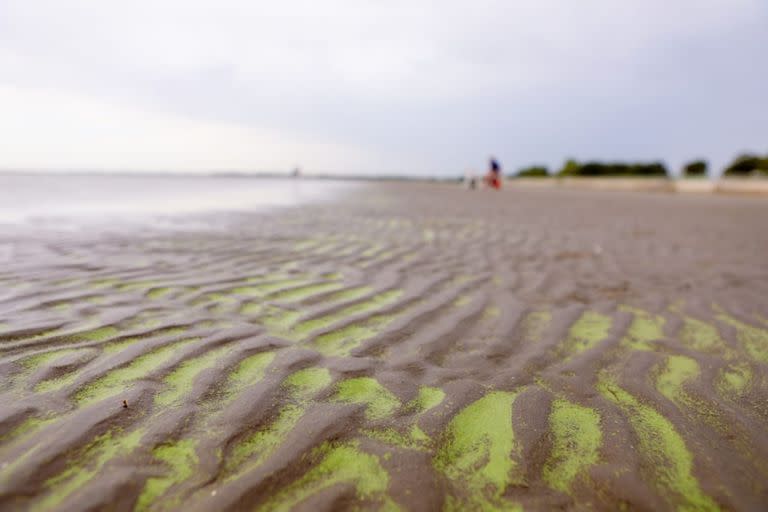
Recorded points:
(493, 178)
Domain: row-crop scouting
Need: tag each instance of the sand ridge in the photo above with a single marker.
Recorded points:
(414, 347)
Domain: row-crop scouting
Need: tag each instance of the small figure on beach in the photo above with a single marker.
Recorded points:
(471, 180)
(493, 178)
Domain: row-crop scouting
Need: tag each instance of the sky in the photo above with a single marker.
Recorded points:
(403, 87)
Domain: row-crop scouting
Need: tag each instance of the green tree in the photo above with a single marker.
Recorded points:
(747, 164)
(534, 171)
(695, 168)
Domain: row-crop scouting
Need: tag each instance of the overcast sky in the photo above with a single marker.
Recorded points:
(381, 86)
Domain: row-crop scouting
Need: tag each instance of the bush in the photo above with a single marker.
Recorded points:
(695, 168)
(747, 164)
(573, 168)
(535, 171)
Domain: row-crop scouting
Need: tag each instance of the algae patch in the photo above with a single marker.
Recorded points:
(478, 454)
(664, 449)
(576, 443)
(179, 457)
(644, 329)
(586, 332)
(379, 401)
(339, 464)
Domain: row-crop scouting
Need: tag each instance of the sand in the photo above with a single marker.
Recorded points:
(413, 347)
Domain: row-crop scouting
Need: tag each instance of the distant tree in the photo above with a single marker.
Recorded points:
(535, 171)
(573, 168)
(747, 164)
(570, 168)
(695, 168)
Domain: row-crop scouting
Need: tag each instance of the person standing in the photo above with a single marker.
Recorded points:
(493, 178)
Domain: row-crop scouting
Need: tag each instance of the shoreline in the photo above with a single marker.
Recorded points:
(726, 186)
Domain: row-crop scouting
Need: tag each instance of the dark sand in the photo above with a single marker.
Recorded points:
(415, 347)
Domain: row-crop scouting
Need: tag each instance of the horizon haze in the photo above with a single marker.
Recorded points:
(412, 88)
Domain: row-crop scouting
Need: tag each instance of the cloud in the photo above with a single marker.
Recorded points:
(415, 86)
(49, 130)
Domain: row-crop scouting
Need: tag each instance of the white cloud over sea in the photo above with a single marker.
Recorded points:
(398, 86)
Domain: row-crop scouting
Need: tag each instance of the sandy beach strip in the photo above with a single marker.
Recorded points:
(405, 347)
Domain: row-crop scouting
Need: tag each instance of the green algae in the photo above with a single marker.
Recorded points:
(180, 381)
(428, 398)
(250, 308)
(120, 345)
(90, 462)
(667, 457)
(754, 339)
(118, 380)
(158, 293)
(350, 294)
(103, 283)
(304, 292)
(373, 304)
(342, 342)
(534, 325)
(99, 334)
(413, 439)
(379, 401)
(249, 371)
(477, 454)
(56, 383)
(307, 382)
(576, 443)
(256, 448)
(259, 446)
(27, 426)
(279, 321)
(39, 360)
(586, 332)
(644, 329)
(180, 457)
(675, 373)
(267, 288)
(137, 285)
(700, 335)
(342, 463)
(462, 301)
(734, 380)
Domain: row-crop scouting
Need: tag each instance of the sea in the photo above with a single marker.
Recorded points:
(54, 198)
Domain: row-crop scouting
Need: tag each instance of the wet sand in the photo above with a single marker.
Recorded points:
(414, 347)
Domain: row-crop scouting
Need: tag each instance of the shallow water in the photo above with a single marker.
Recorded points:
(26, 197)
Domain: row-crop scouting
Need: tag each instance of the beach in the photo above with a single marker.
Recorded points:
(393, 346)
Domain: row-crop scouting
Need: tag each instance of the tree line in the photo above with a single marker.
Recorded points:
(743, 165)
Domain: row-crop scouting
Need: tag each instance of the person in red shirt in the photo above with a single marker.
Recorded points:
(493, 178)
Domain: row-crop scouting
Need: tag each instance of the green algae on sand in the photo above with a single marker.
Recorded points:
(428, 398)
(586, 332)
(379, 401)
(644, 329)
(667, 459)
(89, 462)
(576, 443)
(670, 380)
(339, 464)
(477, 454)
(753, 339)
(118, 380)
(254, 449)
(180, 458)
(734, 380)
(179, 382)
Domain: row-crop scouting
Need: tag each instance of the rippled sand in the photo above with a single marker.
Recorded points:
(415, 347)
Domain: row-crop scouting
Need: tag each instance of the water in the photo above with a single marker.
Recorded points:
(30, 197)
